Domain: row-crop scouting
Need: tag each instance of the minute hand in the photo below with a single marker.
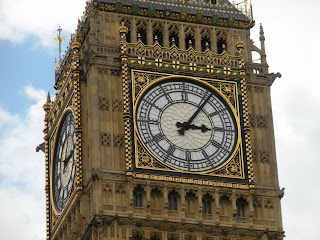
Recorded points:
(198, 110)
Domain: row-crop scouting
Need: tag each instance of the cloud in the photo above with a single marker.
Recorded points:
(38, 19)
(22, 171)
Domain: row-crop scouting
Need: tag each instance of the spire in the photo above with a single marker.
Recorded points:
(48, 98)
(262, 38)
(263, 50)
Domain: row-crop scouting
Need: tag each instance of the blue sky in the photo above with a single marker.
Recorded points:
(27, 52)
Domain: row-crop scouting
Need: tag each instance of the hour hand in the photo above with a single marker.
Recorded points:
(203, 128)
(65, 161)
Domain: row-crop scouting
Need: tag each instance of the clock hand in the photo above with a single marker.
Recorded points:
(186, 125)
(203, 128)
(65, 162)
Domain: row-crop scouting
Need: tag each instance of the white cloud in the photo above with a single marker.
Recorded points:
(22, 171)
(38, 19)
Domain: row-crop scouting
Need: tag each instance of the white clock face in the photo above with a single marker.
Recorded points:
(186, 125)
(64, 162)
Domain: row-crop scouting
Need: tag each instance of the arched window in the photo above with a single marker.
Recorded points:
(172, 201)
(241, 207)
(191, 200)
(142, 32)
(221, 45)
(174, 35)
(157, 33)
(190, 41)
(221, 41)
(156, 199)
(225, 206)
(137, 196)
(214, 2)
(205, 43)
(206, 204)
(205, 39)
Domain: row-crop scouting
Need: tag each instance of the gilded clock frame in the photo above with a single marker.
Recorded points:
(145, 159)
(53, 143)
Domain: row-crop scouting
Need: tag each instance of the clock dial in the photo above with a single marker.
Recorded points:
(186, 125)
(64, 162)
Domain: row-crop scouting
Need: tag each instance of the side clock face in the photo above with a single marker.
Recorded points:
(186, 125)
(64, 162)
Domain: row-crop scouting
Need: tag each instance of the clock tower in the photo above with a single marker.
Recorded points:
(161, 128)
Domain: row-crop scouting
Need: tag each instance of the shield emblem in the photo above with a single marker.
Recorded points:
(215, 19)
(135, 8)
(199, 17)
(118, 7)
(151, 11)
(230, 21)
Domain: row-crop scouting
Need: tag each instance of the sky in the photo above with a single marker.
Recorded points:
(27, 53)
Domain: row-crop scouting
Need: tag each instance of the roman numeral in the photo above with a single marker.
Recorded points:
(158, 137)
(218, 129)
(217, 112)
(205, 153)
(215, 144)
(171, 150)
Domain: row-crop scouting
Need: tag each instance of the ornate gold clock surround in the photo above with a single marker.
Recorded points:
(142, 80)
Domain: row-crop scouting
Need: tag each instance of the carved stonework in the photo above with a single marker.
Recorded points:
(117, 105)
(259, 89)
(264, 156)
(261, 121)
(104, 103)
(251, 120)
(105, 139)
(118, 140)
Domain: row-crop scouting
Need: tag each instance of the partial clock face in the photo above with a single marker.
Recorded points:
(186, 125)
(64, 162)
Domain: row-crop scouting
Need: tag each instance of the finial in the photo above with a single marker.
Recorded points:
(123, 28)
(48, 98)
(156, 39)
(173, 42)
(246, 6)
(59, 39)
(139, 37)
(262, 38)
(207, 46)
(240, 45)
(190, 44)
(223, 47)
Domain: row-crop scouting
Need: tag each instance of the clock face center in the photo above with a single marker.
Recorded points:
(180, 113)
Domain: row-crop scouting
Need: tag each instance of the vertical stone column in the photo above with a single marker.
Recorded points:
(166, 41)
(182, 37)
(165, 197)
(149, 33)
(200, 204)
(183, 202)
(234, 203)
(214, 41)
(198, 39)
(134, 30)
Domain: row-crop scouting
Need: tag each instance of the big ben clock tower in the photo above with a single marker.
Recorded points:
(161, 128)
